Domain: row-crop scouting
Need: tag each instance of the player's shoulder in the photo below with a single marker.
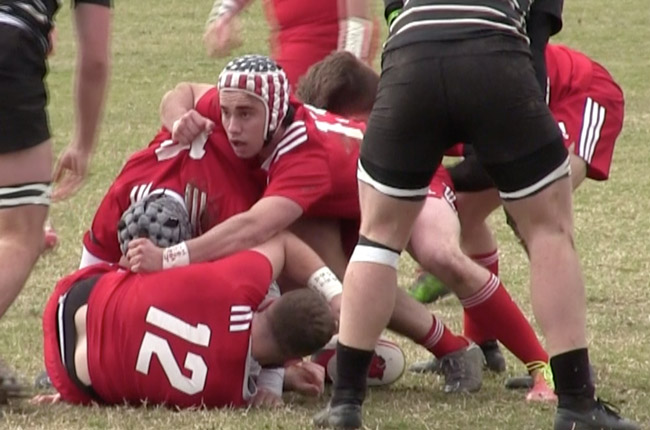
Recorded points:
(208, 103)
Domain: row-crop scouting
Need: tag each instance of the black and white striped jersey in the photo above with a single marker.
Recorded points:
(440, 20)
(36, 15)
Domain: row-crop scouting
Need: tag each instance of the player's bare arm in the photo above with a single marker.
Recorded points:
(222, 30)
(356, 26)
(93, 36)
(266, 218)
(177, 112)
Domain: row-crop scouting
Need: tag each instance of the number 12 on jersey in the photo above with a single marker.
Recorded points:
(153, 344)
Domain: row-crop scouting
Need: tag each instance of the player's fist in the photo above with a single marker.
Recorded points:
(189, 126)
(222, 36)
(143, 256)
(306, 378)
(266, 399)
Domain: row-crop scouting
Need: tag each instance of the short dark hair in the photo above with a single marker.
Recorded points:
(301, 323)
(340, 83)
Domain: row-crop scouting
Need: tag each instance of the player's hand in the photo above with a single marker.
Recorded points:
(189, 126)
(52, 39)
(266, 399)
(222, 36)
(70, 172)
(335, 307)
(143, 256)
(45, 399)
(306, 378)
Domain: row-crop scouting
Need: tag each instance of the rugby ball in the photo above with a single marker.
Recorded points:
(387, 365)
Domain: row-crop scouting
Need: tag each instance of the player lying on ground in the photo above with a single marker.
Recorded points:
(311, 160)
(213, 315)
(435, 240)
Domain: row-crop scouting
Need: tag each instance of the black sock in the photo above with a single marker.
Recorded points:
(352, 372)
(573, 384)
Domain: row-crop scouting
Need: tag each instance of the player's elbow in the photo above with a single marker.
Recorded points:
(94, 67)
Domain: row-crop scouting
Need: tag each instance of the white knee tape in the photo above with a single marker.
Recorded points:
(375, 254)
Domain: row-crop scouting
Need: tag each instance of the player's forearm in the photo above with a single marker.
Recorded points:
(93, 22)
(222, 7)
(175, 103)
(305, 267)
(358, 9)
(90, 91)
(301, 260)
(238, 233)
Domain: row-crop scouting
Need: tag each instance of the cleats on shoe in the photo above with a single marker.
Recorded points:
(463, 370)
(340, 417)
(427, 288)
(427, 366)
(602, 416)
(541, 391)
(494, 359)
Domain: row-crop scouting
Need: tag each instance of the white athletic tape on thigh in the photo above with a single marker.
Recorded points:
(27, 194)
(325, 283)
(176, 256)
(373, 254)
(562, 170)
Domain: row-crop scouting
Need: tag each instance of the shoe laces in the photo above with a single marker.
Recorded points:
(608, 408)
(545, 369)
(453, 367)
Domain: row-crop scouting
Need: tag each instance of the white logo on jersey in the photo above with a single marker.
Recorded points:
(240, 318)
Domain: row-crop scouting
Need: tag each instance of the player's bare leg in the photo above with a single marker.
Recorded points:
(23, 208)
(473, 210)
(410, 318)
(435, 244)
(385, 228)
(323, 235)
(21, 221)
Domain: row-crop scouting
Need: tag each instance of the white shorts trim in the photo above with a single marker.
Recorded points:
(562, 170)
(364, 176)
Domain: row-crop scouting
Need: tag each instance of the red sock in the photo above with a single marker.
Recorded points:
(492, 308)
(440, 341)
(471, 329)
(489, 260)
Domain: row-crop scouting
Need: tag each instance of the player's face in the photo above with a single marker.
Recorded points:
(243, 117)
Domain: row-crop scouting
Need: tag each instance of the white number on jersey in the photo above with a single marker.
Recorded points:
(170, 149)
(155, 345)
(327, 122)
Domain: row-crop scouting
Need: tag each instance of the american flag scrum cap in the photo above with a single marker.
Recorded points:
(260, 77)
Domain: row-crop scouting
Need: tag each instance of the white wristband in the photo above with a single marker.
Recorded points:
(325, 282)
(176, 256)
(355, 35)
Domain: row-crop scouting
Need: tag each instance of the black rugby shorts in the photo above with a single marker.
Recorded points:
(478, 91)
(23, 97)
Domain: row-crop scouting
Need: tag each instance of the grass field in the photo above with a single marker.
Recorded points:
(158, 44)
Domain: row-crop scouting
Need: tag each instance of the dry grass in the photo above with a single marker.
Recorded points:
(157, 44)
